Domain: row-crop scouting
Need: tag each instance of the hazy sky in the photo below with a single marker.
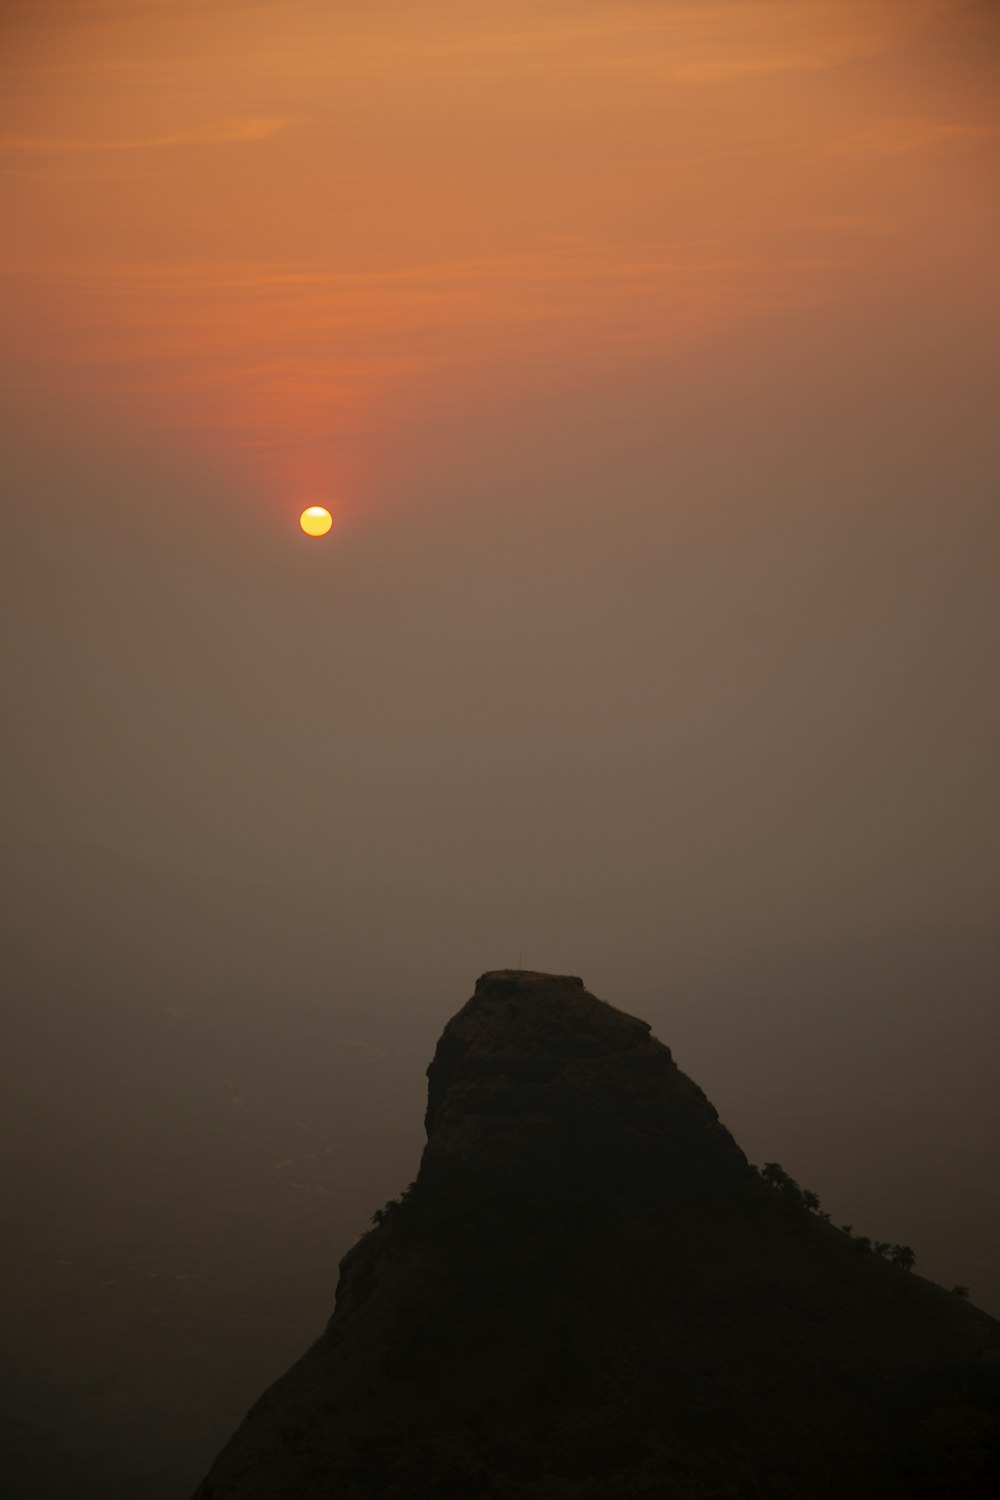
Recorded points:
(646, 352)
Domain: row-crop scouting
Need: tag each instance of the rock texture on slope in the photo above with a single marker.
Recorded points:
(588, 1294)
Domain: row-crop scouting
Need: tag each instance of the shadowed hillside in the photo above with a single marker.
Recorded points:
(588, 1292)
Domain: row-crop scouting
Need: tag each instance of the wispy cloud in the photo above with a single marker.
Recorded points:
(721, 69)
(738, 41)
(901, 136)
(254, 128)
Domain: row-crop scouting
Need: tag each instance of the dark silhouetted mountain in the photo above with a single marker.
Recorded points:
(589, 1292)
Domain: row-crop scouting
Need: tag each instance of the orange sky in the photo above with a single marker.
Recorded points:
(272, 232)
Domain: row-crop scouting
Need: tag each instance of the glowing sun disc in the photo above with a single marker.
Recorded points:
(315, 520)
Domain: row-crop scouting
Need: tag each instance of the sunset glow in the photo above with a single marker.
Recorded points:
(392, 205)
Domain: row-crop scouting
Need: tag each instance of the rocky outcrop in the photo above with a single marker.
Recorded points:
(538, 1088)
(588, 1294)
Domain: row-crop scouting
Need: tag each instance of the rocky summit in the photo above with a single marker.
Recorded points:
(589, 1294)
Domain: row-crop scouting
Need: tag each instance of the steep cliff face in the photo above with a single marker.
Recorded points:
(588, 1293)
(538, 1088)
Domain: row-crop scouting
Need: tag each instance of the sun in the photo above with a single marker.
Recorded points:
(315, 520)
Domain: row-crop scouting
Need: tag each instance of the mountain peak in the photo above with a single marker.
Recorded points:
(538, 1087)
(497, 983)
(588, 1293)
